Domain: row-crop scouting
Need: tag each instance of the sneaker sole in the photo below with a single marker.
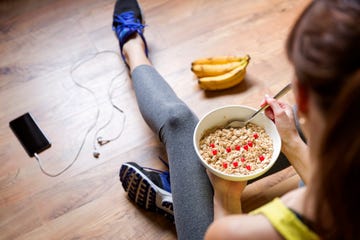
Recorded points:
(144, 193)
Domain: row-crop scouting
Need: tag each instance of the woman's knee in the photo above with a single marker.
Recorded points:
(181, 116)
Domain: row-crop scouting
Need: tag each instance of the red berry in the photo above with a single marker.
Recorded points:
(214, 152)
(261, 158)
(228, 149)
(235, 164)
(225, 165)
(237, 147)
(250, 143)
(212, 145)
(246, 147)
(256, 135)
(248, 167)
(242, 159)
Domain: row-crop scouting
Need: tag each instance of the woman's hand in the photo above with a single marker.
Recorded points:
(292, 146)
(283, 117)
(227, 195)
(226, 187)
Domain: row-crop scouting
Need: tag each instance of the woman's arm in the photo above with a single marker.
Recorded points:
(297, 152)
(229, 223)
(293, 146)
(241, 227)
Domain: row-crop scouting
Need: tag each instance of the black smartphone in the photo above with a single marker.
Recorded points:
(29, 134)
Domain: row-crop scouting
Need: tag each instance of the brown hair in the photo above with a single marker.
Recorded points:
(324, 47)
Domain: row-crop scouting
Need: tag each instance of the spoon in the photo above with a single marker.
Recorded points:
(241, 123)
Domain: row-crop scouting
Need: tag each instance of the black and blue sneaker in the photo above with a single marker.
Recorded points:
(148, 188)
(127, 21)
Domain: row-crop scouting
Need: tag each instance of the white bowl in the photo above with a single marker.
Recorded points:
(219, 117)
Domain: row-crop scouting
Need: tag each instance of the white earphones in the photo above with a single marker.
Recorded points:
(97, 140)
(101, 142)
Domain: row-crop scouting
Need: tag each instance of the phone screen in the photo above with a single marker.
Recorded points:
(29, 134)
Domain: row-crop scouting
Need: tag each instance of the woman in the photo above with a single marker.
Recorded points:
(324, 49)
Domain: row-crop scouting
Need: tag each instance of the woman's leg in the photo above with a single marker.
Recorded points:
(171, 118)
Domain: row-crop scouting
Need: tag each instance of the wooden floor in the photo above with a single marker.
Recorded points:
(41, 41)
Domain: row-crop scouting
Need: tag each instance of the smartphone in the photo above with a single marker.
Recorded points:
(29, 134)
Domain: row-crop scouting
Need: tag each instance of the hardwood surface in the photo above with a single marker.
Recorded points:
(42, 40)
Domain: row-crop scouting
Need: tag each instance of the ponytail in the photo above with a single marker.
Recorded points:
(339, 167)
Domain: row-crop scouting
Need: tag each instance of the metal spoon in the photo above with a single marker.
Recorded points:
(241, 123)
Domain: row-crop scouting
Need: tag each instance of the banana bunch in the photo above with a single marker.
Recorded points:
(216, 73)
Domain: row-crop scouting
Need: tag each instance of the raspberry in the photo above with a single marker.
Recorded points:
(228, 149)
(248, 167)
(214, 152)
(235, 164)
(237, 147)
(261, 158)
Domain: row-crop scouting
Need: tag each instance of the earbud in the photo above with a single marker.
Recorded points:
(101, 141)
(96, 154)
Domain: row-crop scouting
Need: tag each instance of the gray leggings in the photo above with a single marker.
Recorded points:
(172, 119)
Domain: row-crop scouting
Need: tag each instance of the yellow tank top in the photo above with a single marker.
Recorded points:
(285, 221)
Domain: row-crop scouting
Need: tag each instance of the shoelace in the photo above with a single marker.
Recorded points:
(127, 20)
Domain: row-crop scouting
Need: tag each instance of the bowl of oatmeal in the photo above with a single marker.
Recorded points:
(236, 154)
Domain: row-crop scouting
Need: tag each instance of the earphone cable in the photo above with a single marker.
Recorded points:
(99, 140)
(92, 126)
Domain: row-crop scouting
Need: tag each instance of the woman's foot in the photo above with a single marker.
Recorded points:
(148, 188)
(122, 6)
(134, 52)
(128, 24)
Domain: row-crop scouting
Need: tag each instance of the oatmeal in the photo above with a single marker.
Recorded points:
(237, 151)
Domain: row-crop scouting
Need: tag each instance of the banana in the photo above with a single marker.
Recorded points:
(220, 72)
(207, 70)
(225, 80)
(219, 60)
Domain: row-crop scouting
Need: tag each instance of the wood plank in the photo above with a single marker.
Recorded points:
(40, 41)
